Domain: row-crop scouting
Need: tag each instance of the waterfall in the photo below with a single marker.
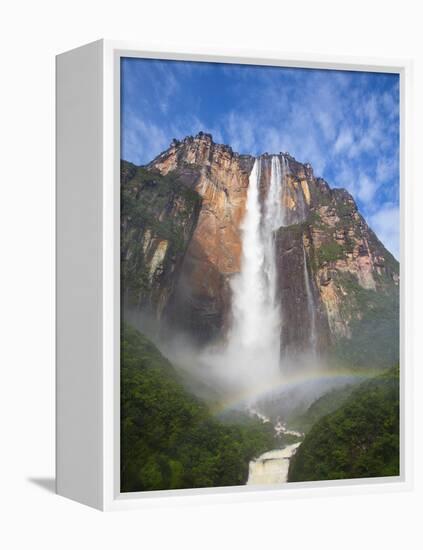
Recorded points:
(274, 212)
(273, 220)
(250, 360)
(310, 304)
(254, 338)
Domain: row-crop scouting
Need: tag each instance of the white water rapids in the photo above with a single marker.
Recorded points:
(271, 467)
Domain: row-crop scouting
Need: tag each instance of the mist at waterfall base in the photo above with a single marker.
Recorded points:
(247, 370)
(248, 366)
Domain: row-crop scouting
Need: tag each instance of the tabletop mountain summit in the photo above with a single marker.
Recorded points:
(201, 223)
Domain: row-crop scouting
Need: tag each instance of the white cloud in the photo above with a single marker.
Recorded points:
(143, 139)
(326, 123)
(241, 131)
(191, 125)
(389, 102)
(386, 168)
(344, 141)
(346, 178)
(386, 224)
(366, 189)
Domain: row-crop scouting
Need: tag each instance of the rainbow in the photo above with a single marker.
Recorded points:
(281, 384)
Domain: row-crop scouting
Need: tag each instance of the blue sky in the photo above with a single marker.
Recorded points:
(346, 124)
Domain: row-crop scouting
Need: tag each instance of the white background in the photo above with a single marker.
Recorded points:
(32, 32)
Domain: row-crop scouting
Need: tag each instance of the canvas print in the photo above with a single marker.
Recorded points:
(259, 275)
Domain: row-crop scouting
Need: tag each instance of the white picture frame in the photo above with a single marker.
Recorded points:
(88, 276)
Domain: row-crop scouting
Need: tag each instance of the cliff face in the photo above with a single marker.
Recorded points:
(353, 279)
(200, 304)
(158, 217)
(181, 244)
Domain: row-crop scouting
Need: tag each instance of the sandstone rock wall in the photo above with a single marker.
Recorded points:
(347, 264)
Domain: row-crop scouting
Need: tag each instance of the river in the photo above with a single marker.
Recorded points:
(271, 467)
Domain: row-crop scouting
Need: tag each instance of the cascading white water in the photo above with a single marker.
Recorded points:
(249, 364)
(254, 338)
(273, 219)
(250, 359)
(284, 171)
(274, 211)
(249, 290)
(310, 305)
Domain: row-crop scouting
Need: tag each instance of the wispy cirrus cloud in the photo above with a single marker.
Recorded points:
(385, 222)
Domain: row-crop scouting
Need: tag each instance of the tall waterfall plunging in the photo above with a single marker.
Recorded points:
(273, 219)
(250, 361)
(254, 337)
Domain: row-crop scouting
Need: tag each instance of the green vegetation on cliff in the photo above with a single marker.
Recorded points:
(374, 324)
(169, 439)
(155, 209)
(360, 439)
(330, 252)
(324, 405)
